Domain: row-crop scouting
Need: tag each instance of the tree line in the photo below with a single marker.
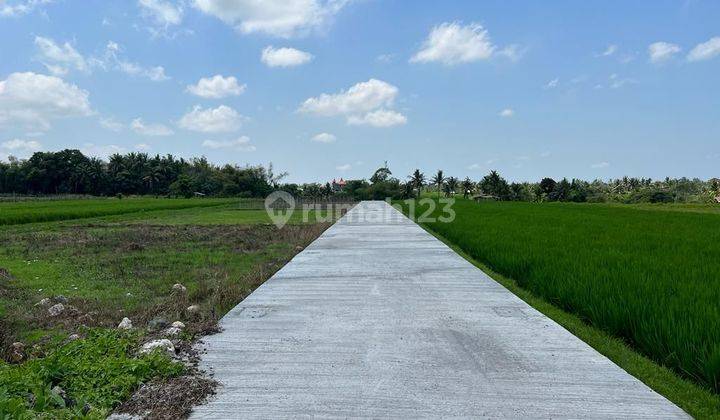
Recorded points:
(70, 172)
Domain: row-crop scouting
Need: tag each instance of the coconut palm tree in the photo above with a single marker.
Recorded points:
(450, 186)
(467, 186)
(417, 179)
(438, 180)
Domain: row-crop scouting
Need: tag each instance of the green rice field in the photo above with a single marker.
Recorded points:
(648, 275)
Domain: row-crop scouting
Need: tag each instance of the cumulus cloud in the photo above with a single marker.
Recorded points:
(284, 57)
(217, 87)
(361, 97)
(140, 127)
(19, 8)
(364, 103)
(281, 18)
(240, 144)
(507, 113)
(705, 50)
(164, 13)
(59, 59)
(36, 99)
(212, 120)
(454, 43)
(20, 148)
(324, 138)
(379, 118)
(662, 51)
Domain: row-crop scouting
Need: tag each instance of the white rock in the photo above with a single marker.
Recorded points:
(172, 331)
(56, 309)
(73, 337)
(125, 324)
(164, 344)
(178, 324)
(193, 309)
(177, 287)
(44, 302)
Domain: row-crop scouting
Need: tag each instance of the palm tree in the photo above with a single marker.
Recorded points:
(451, 186)
(417, 179)
(467, 186)
(438, 180)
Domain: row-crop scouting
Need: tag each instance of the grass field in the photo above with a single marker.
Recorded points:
(648, 275)
(14, 213)
(122, 264)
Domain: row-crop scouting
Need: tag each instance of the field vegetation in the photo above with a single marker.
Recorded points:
(648, 276)
(103, 269)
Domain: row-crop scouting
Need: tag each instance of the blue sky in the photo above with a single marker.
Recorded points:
(324, 89)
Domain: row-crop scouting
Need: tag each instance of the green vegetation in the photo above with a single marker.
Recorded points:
(650, 277)
(45, 211)
(122, 265)
(80, 378)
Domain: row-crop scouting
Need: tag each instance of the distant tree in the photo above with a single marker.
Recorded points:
(182, 187)
(417, 180)
(547, 185)
(381, 174)
(495, 185)
(450, 186)
(467, 186)
(438, 180)
(561, 191)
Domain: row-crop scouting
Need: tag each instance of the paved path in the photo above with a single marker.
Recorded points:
(377, 318)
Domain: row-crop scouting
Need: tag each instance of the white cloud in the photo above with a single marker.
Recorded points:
(58, 59)
(552, 84)
(212, 120)
(662, 51)
(284, 57)
(282, 18)
(360, 98)
(138, 126)
(324, 138)
(617, 82)
(21, 146)
(164, 13)
(19, 8)
(364, 103)
(600, 165)
(156, 74)
(345, 167)
(111, 124)
(217, 87)
(506, 113)
(544, 154)
(705, 50)
(474, 166)
(36, 99)
(101, 151)
(379, 118)
(453, 43)
(512, 52)
(610, 50)
(143, 147)
(240, 144)
(385, 58)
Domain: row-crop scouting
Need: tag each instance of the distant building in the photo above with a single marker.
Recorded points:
(338, 185)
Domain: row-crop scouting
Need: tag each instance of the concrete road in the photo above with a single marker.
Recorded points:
(377, 318)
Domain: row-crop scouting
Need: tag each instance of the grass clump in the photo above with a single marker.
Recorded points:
(86, 377)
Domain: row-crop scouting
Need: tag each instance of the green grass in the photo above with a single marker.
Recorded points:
(118, 265)
(44, 211)
(650, 277)
(95, 374)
